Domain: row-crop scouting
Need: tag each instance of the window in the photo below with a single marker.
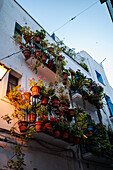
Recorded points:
(99, 77)
(17, 29)
(110, 104)
(12, 82)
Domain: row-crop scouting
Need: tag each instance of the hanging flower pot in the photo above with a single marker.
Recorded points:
(50, 64)
(55, 102)
(39, 126)
(44, 100)
(50, 49)
(44, 58)
(27, 95)
(48, 128)
(23, 126)
(65, 76)
(57, 112)
(35, 91)
(37, 53)
(26, 53)
(38, 39)
(71, 112)
(31, 117)
(56, 133)
(66, 108)
(60, 58)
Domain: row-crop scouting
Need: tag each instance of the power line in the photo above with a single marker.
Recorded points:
(10, 55)
(76, 16)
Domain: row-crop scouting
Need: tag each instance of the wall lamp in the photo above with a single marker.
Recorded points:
(3, 70)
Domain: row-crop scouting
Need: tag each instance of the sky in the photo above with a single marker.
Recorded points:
(91, 31)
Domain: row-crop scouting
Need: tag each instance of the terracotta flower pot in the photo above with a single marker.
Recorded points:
(60, 58)
(37, 53)
(44, 100)
(50, 64)
(35, 91)
(55, 102)
(65, 76)
(39, 126)
(38, 39)
(51, 49)
(23, 126)
(27, 95)
(31, 117)
(64, 135)
(44, 58)
(48, 128)
(71, 112)
(26, 54)
(56, 133)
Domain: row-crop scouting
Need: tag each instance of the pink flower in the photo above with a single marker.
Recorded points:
(29, 79)
(39, 77)
(44, 78)
(33, 79)
(32, 70)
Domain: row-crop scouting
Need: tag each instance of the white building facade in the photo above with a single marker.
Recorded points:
(44, 152)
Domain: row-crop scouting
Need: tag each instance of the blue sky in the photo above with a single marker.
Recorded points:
(91, 31)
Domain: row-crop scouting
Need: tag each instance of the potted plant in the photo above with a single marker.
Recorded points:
(39, 35)
(55, 101)
(26, 50)
(66, 73)
(46, 92)
(36, 86)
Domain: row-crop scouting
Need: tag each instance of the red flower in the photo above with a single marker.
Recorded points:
(51, 118)
(20, 46)
(56, 120)
(87, 134)
(90, 132)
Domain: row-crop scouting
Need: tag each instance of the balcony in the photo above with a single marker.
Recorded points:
(91, 157)
(77, 100)
(51, 141)
(43, 70)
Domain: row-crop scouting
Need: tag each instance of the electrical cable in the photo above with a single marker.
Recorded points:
(10, 55)
(76, 16)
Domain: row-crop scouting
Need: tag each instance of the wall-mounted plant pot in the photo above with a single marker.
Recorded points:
(35, 91)
(65, 76)
(55, 102)
(44, 100)
(56, 133)
(31, 117)
(27, 95)
(37, 53)
(50, 49)
(64, 135)
(39, 126)
(23, 126)
(48, 128)
(60, 58)
(50, 64)
(71, 112)
(66, 108)
(90, 128)
(26, 54)
(38, 39)
(44, 58)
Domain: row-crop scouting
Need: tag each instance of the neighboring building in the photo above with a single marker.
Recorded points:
(109, 4)
(44, 152)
